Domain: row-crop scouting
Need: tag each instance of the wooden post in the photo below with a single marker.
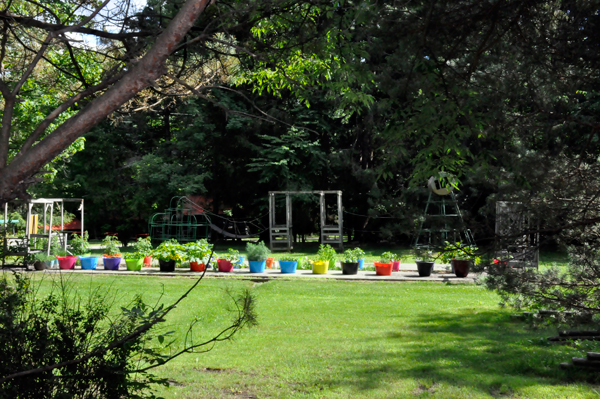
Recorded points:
(340, 220)
(82, 217)
(288, 219)
(271, 219)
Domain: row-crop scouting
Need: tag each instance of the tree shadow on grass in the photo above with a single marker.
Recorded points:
(477, 351)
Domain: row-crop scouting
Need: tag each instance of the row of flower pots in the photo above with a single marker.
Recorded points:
(91, 262)
(170, 252)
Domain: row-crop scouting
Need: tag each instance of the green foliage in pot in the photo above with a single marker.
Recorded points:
(80, 245)
(287, 258)
(143, 246)
(232, 255)
(425, 255)
(353, 255)
(132, 255)
(459, 251)
(304, 263)
(388, 257)
(198, 251)
(169, 250)
(257, 252)
(61, 252)
(111, 246)
(326, 252)
(43, 257)
(55, 247)
(359, 253)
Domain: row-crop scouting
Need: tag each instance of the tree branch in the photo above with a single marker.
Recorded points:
(35, 135)
(142, 75)
(34, 23)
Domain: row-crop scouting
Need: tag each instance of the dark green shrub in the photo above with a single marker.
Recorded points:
(64, 346)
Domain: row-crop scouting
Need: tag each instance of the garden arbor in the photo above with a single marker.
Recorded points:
(281, 236)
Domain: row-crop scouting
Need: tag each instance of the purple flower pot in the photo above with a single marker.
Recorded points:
(111, 263)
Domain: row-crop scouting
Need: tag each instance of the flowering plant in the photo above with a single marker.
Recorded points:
(169, 250)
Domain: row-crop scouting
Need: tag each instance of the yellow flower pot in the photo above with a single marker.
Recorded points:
(320, 267)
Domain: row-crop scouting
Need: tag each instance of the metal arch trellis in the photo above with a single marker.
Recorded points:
(442, 222)
(281, 234)
(187, 221)
(179, 222)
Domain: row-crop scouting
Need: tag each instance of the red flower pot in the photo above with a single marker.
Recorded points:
(224, 265)
(383, 269)
(67, 262)
(147, 261)
(197, 267)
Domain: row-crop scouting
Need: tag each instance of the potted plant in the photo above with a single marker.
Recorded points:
(111, 254)
(65, 260)
(81, 247)
(395, 262)
(326, 256)
(143, 247)
(257, 256)
(288, 263)
(461, 257)
(134, 261)
(168, 253)
(198, 253)
(43, 261)
(225, 261)
(384, 266)
(360, 257)
(350, 261)
(425, 261)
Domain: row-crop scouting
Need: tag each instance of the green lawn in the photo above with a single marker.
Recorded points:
(339, 339)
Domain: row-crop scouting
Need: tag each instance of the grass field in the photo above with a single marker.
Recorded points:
(339, 339)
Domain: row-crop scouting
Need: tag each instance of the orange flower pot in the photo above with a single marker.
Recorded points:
(270, 262)
(383, 269)
(197, 266)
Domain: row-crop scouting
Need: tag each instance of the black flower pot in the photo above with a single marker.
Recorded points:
(166, 265)
(424, 268)
(461, 267)
(39, 265)
(349, 267)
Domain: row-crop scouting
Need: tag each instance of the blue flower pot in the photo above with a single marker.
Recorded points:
(88, 262)
(288, 266)
(240, 262)
(257, 266)
(360, 263)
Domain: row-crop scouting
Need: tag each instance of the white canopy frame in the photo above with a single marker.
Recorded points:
(31, 232)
